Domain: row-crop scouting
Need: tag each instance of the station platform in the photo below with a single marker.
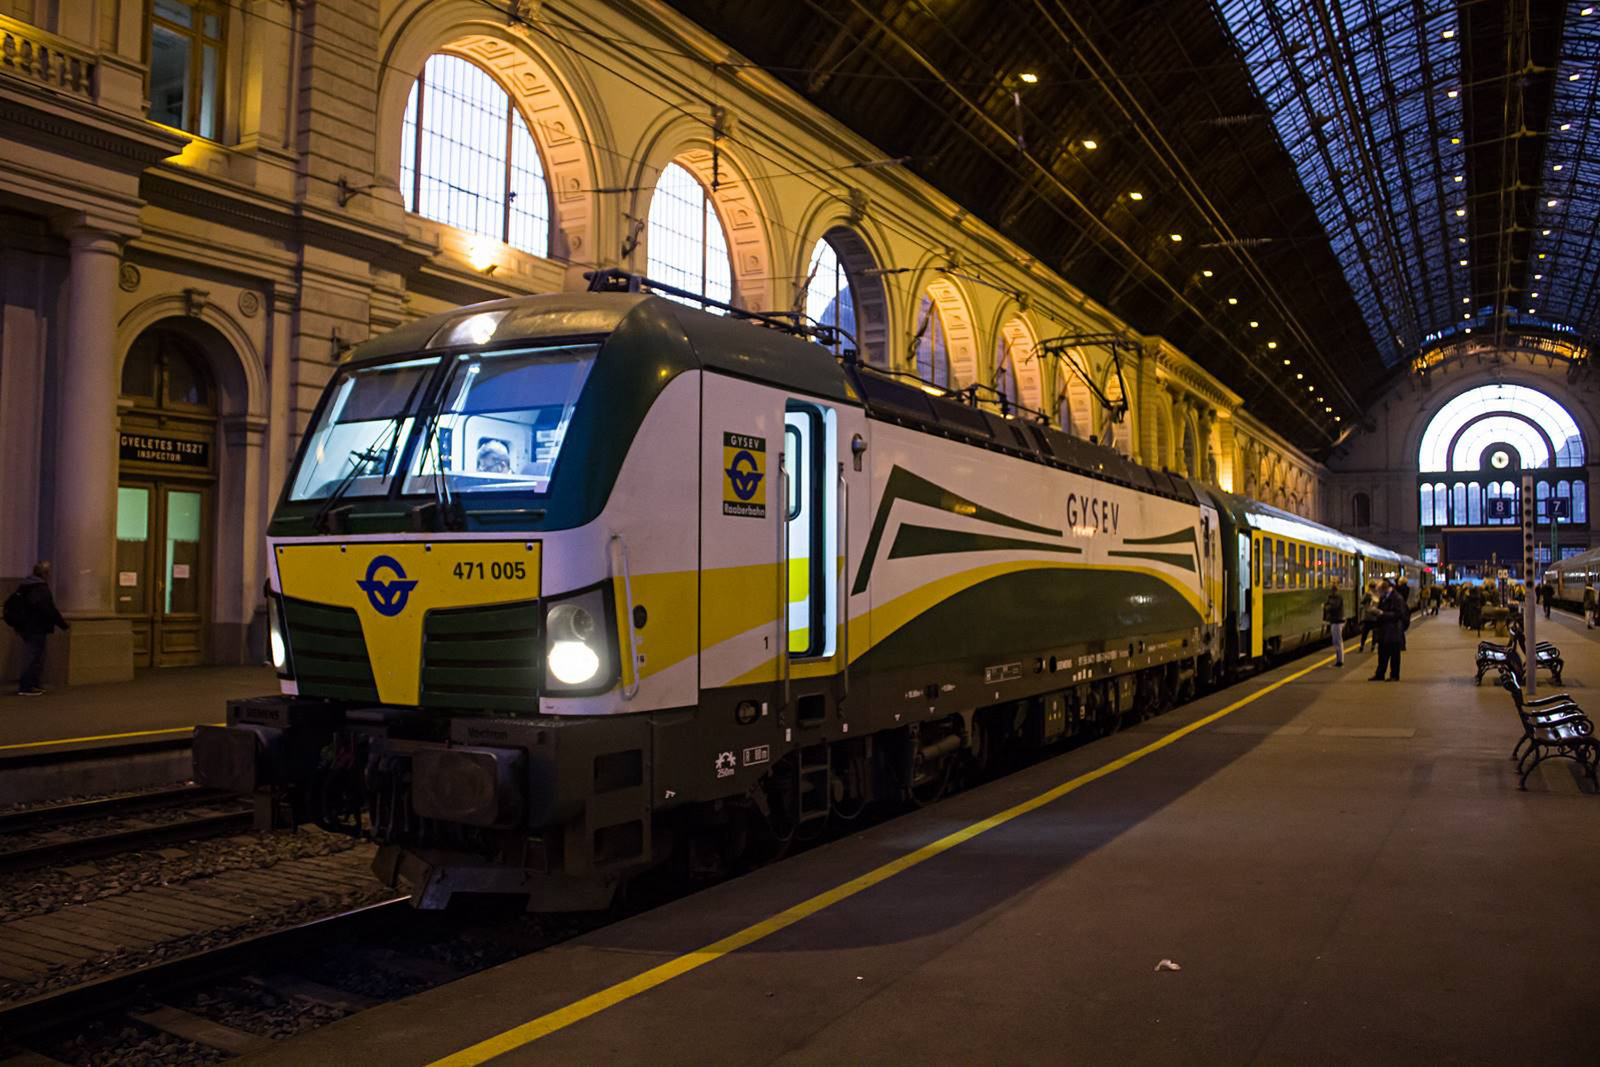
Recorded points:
(159, 704)
(1342, 870)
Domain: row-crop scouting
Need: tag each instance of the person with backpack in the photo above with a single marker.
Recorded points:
(31, 611)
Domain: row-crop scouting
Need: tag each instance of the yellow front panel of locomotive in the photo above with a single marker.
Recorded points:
(391, 585)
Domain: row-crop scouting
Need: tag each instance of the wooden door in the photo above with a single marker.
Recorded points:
(163, 570)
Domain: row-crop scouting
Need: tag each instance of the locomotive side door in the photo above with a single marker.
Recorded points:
(809, 574)
(1260, 574)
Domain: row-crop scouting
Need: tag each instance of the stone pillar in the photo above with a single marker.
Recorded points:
(1230, 476)
(100, 646)
(1145, 450)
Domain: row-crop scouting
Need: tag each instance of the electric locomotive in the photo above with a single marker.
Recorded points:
(562, 586)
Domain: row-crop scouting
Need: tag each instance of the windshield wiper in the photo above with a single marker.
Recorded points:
(442, 506)
(363, 458)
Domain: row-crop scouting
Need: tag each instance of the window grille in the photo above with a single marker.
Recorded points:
(468, 159)
(829, 298)
(685, 240)
(933, 350)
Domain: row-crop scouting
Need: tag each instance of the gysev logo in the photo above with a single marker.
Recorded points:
(744, 463)
(389, 597)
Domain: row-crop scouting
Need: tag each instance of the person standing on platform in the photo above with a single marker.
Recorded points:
(1369, 614)
(1333, 615)
(1547, 593)
(1405, 592)
(1391, 632)
(31, 611)
(1588, 603)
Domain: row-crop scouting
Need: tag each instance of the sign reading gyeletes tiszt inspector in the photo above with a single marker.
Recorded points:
(744, 475)
(170, 451)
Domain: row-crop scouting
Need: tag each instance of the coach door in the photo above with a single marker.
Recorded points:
(810, 573)
(165, 500)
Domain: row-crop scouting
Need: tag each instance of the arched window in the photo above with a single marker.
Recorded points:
(933, 347)
(1493, 431)
(468, 160)
(1005, 373)
(1441, 505)
(1361, 510)
(1539, 429)
(1425, 502)
(829, 298)
(687, 245)
(1121, 432)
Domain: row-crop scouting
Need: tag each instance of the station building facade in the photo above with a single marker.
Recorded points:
(1437, 468)
(208, 202)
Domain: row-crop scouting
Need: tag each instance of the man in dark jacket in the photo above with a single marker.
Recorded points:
(1392, 621)
(39, 619)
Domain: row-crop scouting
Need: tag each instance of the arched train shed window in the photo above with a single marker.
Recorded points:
(932, 343)
(468, 160)
(1477, 447)
(687, 245)
(830, 300)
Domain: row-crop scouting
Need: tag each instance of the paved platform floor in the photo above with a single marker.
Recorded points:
(159, 704)
(1344, 871)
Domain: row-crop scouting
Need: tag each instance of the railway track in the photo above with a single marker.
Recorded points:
(242, 997)
(84, 830)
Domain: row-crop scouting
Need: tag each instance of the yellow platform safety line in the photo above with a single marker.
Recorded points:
(106, 737)
(577, 1011)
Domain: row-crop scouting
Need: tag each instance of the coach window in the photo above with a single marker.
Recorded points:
(468, 160)
(687, 245)
(186, 53)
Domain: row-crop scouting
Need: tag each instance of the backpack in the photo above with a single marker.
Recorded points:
(16, 608)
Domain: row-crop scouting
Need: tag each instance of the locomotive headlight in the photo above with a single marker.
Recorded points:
(278, 637)
(280, 654)
(577, 653)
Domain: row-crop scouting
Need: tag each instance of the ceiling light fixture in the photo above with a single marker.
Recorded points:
(1544, 233)
(1299, 376)
(1272, 344)
(1175, 236)
(1451, 94)
(1557, 167)
(1534, 295)
(1029, 77)
(1233, 300)
(1206, 273)
(1286, 362)
(1565, 126)
(1091, 144)
(1254, 324)
(1462, 262)
(1461, 212)
(1551, 203)
(1573, 77)
(1135, 196)
(1461, 177)
(1449, 34)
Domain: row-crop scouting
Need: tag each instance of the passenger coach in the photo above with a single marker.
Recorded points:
(565, 585)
